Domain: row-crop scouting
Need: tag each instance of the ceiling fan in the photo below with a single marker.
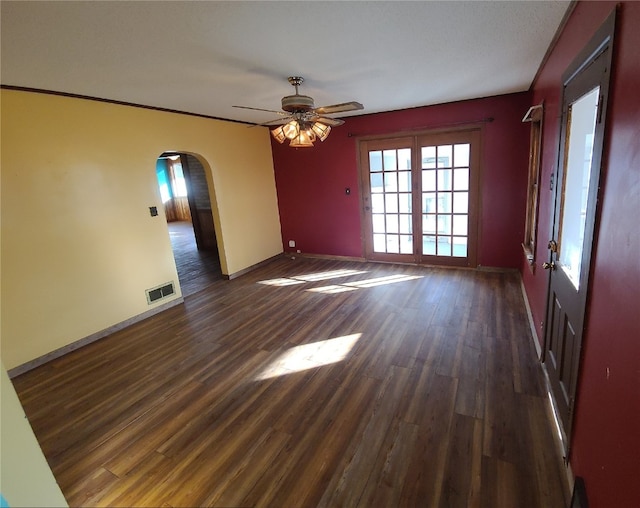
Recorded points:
(300, 121)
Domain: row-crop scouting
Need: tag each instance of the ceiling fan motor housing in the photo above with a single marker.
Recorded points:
(297, 103)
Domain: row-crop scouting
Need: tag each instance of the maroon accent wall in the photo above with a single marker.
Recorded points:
(606, 440)
(316, 212)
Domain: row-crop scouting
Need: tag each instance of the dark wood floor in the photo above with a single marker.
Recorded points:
(197, 269)
(309, 383)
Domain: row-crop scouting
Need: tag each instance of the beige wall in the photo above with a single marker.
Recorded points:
(79, 247)
(25, 477)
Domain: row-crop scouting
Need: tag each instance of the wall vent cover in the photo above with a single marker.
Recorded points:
(160, 292)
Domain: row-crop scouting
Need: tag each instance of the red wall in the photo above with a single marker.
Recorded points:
(606, 439)
(322, 219)
(317, 214)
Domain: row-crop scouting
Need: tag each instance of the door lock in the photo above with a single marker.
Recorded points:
(552, 246)
(547, 266)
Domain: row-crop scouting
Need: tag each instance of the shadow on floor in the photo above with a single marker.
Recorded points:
(197, 269)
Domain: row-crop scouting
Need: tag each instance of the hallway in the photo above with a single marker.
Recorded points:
(197, 269)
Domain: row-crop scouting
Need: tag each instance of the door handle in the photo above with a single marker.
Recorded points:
(552, 246)
(547, 266)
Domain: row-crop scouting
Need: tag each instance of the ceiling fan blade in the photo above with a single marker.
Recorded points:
(339, 108)
(277, 121)
(282, 113)
(331, 122)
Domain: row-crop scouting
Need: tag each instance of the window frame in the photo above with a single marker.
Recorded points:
(534, 116)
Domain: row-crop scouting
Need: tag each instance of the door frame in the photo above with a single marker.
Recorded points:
(600, 46)
(193, 209)
(476, 134)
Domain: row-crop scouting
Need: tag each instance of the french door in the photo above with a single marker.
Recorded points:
(420, 198)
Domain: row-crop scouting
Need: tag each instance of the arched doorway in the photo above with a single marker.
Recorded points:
(187, 205)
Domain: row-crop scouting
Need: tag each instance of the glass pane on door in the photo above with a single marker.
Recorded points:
(391, 213)
(445, 199)
(581, 124)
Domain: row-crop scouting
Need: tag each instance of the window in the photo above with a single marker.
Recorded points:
(534, 115)
(581, 128)
(171, 178)
(179, 184)
(163, 180)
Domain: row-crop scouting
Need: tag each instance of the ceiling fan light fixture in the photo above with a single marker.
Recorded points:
(321, 130)
(301, 133)
(308, 123)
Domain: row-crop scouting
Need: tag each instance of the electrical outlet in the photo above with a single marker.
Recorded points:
(292, 243)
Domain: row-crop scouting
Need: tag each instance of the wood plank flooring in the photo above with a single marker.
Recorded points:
(197, 269)
(309, 383)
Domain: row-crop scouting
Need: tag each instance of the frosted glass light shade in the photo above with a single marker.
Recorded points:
(321, 130)
(301, 133)
(303, 139)
(279, 134)
(291, 129)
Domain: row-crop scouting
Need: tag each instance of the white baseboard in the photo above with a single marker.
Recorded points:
(532, 325)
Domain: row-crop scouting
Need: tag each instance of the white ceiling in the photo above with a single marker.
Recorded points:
(205, 56)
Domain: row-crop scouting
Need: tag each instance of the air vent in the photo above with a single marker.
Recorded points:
(160, 292)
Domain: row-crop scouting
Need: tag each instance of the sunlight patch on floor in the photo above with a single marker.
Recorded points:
(368, 283)
(329, 290)
(310, 356)
(311, 277)
(328, 275)
(381, 281)
(340, 287)
(281, 282)
(556, 421)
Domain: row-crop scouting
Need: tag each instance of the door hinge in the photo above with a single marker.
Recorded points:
(551, 181)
